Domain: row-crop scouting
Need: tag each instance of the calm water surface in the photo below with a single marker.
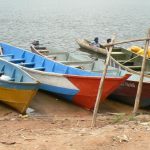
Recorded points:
(58, 23)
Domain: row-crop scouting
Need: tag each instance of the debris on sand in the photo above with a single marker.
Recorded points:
(122, 138)
(7, 142)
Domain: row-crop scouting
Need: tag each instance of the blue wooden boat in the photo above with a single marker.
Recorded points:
(17, 88)
(75, 85)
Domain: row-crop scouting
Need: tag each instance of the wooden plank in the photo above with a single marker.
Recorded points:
(42, 51)
(117, 53)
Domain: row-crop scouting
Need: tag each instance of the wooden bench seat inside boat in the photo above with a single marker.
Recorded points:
(43, 50)
(117, 53)
(30, 64)
(40, 47)
(39, 68)
(8, 55)
(17, 60)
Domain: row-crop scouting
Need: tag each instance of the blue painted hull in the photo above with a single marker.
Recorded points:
(65, 93)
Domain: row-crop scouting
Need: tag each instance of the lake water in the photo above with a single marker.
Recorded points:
(57, 23)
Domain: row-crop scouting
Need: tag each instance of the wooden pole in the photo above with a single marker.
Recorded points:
(100, 89)
(139, 90)
(126, 41)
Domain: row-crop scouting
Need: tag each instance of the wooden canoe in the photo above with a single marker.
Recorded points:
(72, 84)
(17, 88)
(71, 59)
(85, 44)
(126, 59)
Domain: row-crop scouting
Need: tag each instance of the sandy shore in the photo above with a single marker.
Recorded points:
(57, 125)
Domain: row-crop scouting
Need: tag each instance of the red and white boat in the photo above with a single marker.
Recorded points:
(72, 84)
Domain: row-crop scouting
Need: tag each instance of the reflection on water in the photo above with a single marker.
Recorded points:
(57, 23)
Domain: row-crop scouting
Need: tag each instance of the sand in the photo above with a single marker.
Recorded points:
(54, 124)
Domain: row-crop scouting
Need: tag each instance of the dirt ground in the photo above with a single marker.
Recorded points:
(53, 124)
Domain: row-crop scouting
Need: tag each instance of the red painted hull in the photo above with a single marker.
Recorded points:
(127, 92)
(88, 87)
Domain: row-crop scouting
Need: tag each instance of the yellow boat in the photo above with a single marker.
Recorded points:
(17, 88)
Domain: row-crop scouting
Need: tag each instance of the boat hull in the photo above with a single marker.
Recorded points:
(77, 89)
(86, 97)
(126, 93)
(17, 99)
(85, 45)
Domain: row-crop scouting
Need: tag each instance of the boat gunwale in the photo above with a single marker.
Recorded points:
(70, 75)
(57, 74)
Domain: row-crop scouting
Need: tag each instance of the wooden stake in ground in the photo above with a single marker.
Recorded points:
(100, 89)
(139, 90)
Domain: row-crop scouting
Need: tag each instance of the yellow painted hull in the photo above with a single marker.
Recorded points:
(17, 98)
